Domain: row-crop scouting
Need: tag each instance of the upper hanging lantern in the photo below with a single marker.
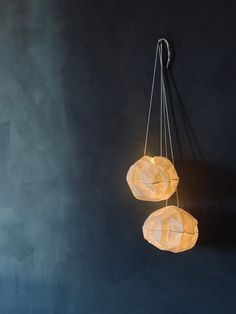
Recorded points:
(155, 178)
(171, 229)
(152, 179)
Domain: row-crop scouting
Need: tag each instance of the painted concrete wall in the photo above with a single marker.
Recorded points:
(74, 88)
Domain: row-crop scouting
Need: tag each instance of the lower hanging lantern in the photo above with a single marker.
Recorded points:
(152, 178)
(171, 229)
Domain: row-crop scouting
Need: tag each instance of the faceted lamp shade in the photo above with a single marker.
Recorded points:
(152, 179)
(171, 229)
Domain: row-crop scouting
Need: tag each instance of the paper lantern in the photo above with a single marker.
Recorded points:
(152, 179)
(171, 229)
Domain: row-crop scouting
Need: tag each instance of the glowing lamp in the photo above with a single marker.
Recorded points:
(152, 178)
(171, 229)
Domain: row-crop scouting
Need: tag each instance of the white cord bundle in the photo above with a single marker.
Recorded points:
(165, 130)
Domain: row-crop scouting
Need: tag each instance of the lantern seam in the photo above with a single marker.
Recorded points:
(171, 231)
(153, 182)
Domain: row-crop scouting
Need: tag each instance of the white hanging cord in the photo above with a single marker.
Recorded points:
(168, 124)
(150, 102)
(163, 119)
(161, 99)
(162, 109)
(159, 44)
(166, 117)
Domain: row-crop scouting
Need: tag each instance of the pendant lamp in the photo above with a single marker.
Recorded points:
(154, 178)
(171, 229)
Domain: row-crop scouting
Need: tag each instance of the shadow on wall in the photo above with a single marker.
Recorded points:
(210, 190)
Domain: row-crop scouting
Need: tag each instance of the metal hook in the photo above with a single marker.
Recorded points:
(167, 47)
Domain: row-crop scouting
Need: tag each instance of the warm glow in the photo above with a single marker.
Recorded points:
(171, 229)
(152, 179)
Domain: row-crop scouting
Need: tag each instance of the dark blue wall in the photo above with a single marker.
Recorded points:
(74, 88)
